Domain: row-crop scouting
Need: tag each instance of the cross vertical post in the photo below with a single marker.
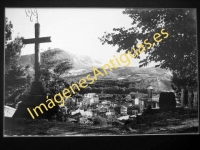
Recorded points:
(37, 87)
(37, 52)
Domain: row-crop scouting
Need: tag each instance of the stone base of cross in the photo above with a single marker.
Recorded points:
(37, 88)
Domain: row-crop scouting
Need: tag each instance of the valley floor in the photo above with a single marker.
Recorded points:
(179, 122)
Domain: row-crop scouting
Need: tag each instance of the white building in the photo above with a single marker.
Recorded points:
(90, 95)
(94, 100)
(124, 110)
(136, 101)
(91, 98)
(89, 101)
(88, 113)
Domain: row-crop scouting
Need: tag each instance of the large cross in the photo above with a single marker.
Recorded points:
(37, 40)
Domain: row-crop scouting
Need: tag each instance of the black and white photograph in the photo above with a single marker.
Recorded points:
(100, 72)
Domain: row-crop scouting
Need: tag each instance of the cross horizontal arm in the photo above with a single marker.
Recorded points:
(39, 40)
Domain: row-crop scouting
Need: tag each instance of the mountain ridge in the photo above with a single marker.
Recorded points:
(83, 65)
(78, 61)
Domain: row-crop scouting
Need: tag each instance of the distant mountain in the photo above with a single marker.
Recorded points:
(142, 77)
(78, 61)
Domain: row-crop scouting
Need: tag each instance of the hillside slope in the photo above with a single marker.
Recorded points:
(78, 61)
(142, 77)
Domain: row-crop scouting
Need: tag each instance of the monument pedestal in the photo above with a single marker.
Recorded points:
(34, 99)
(37, 88)
(31, 102)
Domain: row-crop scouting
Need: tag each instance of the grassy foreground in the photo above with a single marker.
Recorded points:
(179, 122)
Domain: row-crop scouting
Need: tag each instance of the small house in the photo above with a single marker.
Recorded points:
(90, 95)
(132, 110)
(93, 100)
(136, 101)
(88, 113)
(123, 110)
(110, 111)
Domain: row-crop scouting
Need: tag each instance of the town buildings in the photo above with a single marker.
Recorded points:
(105, 105)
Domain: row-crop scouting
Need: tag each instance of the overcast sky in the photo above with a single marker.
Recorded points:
(75, 30)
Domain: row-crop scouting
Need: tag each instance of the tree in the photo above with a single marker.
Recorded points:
(62, 67)
(183, 80)
(12, 47)
(53, 68)
(177, 52)
(14, 72)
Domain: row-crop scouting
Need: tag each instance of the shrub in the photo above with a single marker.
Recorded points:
(98, 120)
(111, 119)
